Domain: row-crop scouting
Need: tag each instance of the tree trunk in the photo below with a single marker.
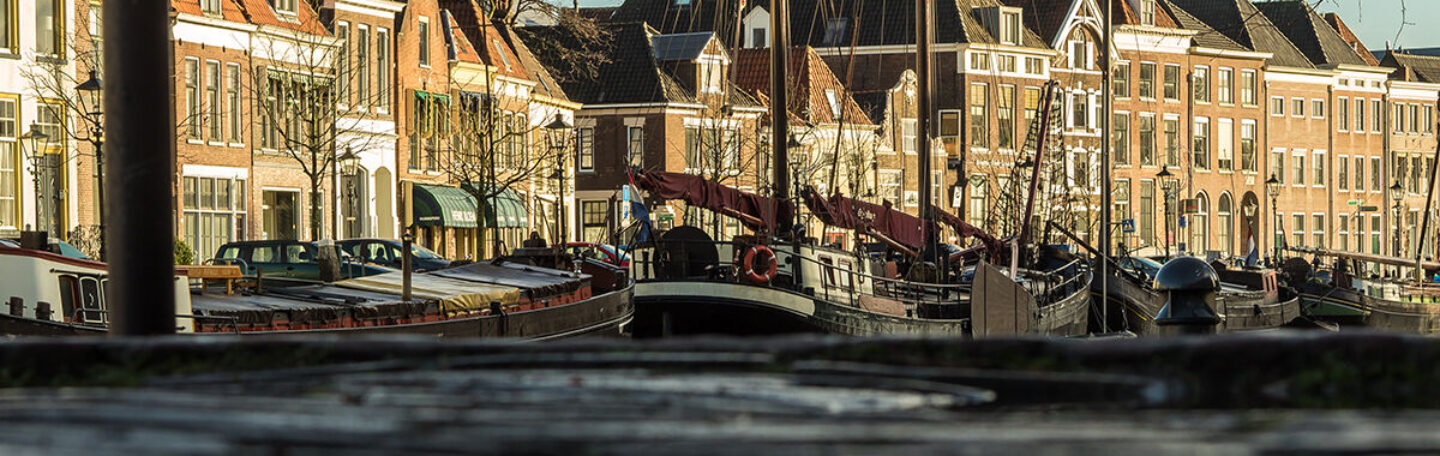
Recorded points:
(317, 201)
(479, 229)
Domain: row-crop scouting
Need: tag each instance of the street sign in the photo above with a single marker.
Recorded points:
(1182, 221)
(1368, 208)
(1353, 202)
(1127, 226)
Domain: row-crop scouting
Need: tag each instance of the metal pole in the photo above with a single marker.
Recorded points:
(923, 84)
(1107, 106)
(99, 146)
(407, 241)
(779, 100)
(142, 143)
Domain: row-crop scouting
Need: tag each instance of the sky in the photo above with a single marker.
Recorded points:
(1375, 21)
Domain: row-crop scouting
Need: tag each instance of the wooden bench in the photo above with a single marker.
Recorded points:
(208, 272)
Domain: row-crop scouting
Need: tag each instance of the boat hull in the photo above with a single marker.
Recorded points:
(1349, 306)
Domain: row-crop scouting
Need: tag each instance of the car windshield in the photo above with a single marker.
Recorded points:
(424, 253)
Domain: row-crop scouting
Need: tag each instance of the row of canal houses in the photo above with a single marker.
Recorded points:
(1212, 100)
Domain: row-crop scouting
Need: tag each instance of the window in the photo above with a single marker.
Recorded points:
(758, 38)
(1318, 163)
(1375, 230)
(1007, 63)
(342, 72)
(1375, 182)
(1147, 140)
(1147, 212)
(232, 96)
(212, 99)
(1247, 87)
(1172, 142)
(1202, 84)
(382, 68)
(835, 30)
(424, 33)
(1006, 117)
(192, 98)
(50, 27)
(1147, 12)
(1121, 139)
(1080, 111)
(1147, 80)
(1429, 120)
(949, 126)
(1317, 108)
(285, 6)
(979, 128)
(585, 143)
(908, 134)
(1120, 199)
(1277, 164)
(1172, 82)
(979, 61)
(834, 102)
(1010, 28)
(1277, 106)
(890, 185)
(210, 6)
(1120, 80)
(1034, 65)
(979, 207)
(1201, 143)
(1297, 107)
(635, 150)
(1200, 225)
(1377, 113)
(1359, 174)
(1343, 115)
(1359, 115)
(1397, 123)
(1225, 145)
(1298, 229)
(362, 67)
(1414, 118)
(1227, 85)
(1247, 147)
(1298, 169)
(214, 212)
(9, 42)
(1080, 52)
(1342, 173)
(9, 164)
(592, 216)
(1224, 224)
(1344, 230)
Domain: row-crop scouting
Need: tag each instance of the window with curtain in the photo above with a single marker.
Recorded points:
(1225, 224)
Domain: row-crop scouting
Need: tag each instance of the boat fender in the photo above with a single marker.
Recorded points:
(771, 266)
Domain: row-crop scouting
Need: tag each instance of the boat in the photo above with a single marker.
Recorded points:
(49, 294)
(1337, 295)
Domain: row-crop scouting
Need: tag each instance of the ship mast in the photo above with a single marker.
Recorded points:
(779, 103)
(1107, 36)
(923, 96)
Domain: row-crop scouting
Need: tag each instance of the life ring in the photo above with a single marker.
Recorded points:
(771, 267)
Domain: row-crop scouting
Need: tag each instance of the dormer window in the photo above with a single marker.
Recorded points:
(835, 31)
(289, 7)
(1010, 27)
(500, 51)
(210, 6)
(712, 75)
(1147, 12)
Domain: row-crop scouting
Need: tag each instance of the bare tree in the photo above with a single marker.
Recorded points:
(577, 49)
(311, 106)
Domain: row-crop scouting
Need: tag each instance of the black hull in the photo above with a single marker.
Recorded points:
(1249, 313)
(1133, 308)
(1376, 313)
(605, 314)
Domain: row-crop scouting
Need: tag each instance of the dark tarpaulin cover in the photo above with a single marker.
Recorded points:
(967, 230)
(852, 214)
(317, 304)
(533, 281)
(754, 209)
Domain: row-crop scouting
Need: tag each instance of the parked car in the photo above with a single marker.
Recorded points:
(386, 252)
(600, 252)
(288, 259)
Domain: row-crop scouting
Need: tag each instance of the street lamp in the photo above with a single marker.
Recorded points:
(36, 139)
(349, 167)
(1397, 194)
(89, 97)
(1272, 187)
(1164, 176)
(559, 137)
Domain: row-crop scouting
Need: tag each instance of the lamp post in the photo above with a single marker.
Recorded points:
(1397, 194)
(36, 139)
(89, 97)
(349, 167)
(559, 138)
(1272, 187)
(1164, 176)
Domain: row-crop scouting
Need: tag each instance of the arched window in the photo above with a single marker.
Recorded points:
(1200, 225)
(1225, 224)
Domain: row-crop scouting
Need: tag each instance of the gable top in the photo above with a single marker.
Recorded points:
(1351, 40)
(1205, 36)
(1310, 33)
(681, 46)
(1124, 13)
(229, 9)
(1242, 23)
(457, 45)
(1415, 68)
(810, 78)
(259, 12)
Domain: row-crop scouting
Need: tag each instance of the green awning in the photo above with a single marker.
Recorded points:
(443, 206)
(452, 207)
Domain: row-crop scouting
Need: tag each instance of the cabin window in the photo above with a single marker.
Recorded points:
(69, 293)
(92, 301)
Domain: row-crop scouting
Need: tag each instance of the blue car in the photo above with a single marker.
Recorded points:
(287, 259)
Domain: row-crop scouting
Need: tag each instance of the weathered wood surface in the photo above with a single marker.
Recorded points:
(1232, 394)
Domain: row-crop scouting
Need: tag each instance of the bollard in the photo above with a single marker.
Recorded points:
(1191, 286)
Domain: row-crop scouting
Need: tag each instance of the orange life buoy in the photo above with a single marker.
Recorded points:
(771, 267)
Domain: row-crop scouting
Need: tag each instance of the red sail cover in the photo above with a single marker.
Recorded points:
(966, 230)
(752, 210)
(852, 214)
